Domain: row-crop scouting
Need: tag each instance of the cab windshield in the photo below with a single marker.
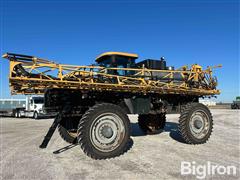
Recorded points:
(38, 100)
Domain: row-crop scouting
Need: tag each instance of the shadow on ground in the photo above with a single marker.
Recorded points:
(66, 148)
(63, 149)
(170, 127)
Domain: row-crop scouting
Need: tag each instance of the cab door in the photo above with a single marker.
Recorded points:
(31, 105)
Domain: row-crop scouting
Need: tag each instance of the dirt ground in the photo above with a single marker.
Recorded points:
(150, 157)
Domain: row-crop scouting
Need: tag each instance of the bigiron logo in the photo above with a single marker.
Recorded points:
(209, 169)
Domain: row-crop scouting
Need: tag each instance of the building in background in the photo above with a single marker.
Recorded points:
(207, 102)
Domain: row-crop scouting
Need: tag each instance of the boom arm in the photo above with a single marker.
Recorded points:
(32, 75)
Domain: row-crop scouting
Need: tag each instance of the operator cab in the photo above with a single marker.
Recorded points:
(117, 60)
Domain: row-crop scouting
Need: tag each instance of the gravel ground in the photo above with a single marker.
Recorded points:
(150, 157)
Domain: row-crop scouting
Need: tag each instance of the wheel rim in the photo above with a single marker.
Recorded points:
(107, 132)
(199, 124)
(35, 115)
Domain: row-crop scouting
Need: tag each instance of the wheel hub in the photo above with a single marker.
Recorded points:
(199, 124)
(107, 131)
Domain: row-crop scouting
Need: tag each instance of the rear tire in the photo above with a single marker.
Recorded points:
(68, 129)
(195, 123)
(152, 123)
(104, 131)
(234, 106)
(16, 113)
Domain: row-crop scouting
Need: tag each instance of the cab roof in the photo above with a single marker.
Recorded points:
(106, 54)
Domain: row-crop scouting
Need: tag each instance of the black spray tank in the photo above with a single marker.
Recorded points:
(159, 65)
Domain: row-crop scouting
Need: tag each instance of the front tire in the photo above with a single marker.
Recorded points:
(195, 123)
(35, 115)
(104, 131)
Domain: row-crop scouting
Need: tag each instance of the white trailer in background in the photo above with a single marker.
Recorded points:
(7, 106)
(30, 107)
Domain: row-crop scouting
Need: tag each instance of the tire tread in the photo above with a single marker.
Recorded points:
(183, 123)
(82, 131)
